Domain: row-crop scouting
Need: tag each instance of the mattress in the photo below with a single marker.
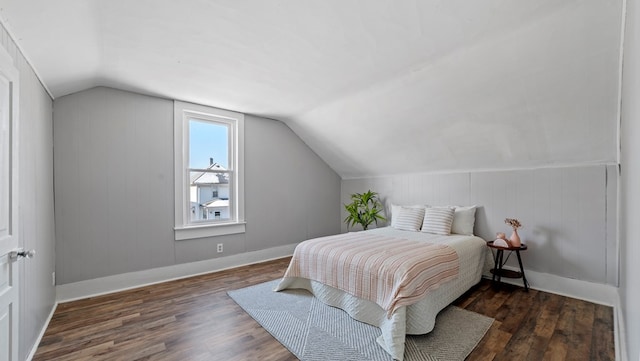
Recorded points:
(418, 318)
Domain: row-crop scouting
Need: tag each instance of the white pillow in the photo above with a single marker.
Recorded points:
(395, 210)
(464, 220)
(438, 220)
(408, 219)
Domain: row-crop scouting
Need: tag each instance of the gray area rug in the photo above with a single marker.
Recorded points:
(314, 331)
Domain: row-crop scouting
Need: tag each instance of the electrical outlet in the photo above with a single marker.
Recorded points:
(219, 247)
(53, 278)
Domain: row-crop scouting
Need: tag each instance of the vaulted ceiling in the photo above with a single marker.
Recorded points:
(374, 87)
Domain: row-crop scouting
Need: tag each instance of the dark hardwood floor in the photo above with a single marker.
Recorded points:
(194, 319)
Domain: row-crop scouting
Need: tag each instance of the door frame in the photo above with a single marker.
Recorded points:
(13, 240)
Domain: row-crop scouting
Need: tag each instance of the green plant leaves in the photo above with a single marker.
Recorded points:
(364, 209)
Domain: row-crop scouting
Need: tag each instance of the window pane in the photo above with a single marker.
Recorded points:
(209, 196)
(208, 144)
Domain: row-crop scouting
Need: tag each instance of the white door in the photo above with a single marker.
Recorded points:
(9, 241)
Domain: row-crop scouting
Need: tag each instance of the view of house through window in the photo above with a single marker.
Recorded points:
(210, 176)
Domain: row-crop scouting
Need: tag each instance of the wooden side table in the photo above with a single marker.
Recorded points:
(498, 272)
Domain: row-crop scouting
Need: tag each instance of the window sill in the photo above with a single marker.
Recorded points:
(208, 230)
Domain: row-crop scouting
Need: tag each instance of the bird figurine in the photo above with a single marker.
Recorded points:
(501, 240)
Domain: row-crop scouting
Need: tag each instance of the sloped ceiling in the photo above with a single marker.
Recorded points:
(374, 87)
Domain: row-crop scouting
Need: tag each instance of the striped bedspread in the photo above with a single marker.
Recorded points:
(389, 271)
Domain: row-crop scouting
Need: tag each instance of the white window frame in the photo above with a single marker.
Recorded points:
(184, 228)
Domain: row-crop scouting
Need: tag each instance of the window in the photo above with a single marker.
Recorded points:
(208, 171)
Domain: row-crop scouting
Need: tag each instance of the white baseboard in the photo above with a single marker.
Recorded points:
(104, 285)
(588, 291)
(619, 332)
(34, 347)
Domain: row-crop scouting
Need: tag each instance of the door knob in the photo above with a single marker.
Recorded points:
(14, 255)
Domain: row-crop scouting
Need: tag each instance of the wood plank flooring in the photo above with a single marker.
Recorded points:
(194, 319)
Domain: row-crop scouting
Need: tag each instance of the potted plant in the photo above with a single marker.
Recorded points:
(364, 209)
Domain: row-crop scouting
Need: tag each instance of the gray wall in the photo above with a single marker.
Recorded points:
(114, 187)
(568, 214)
(36, 200)
(630, 184)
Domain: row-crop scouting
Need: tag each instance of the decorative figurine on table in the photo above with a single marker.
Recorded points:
(501, 240)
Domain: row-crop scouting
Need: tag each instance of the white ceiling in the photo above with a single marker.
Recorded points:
(374, 87)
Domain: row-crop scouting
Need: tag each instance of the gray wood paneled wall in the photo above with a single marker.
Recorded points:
(114, 187)
(630, 186)
(36, 199)
(568, 214)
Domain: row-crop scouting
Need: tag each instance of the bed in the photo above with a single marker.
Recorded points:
(399, 318)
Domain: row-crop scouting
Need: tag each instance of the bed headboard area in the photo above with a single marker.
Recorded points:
(568, 213)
